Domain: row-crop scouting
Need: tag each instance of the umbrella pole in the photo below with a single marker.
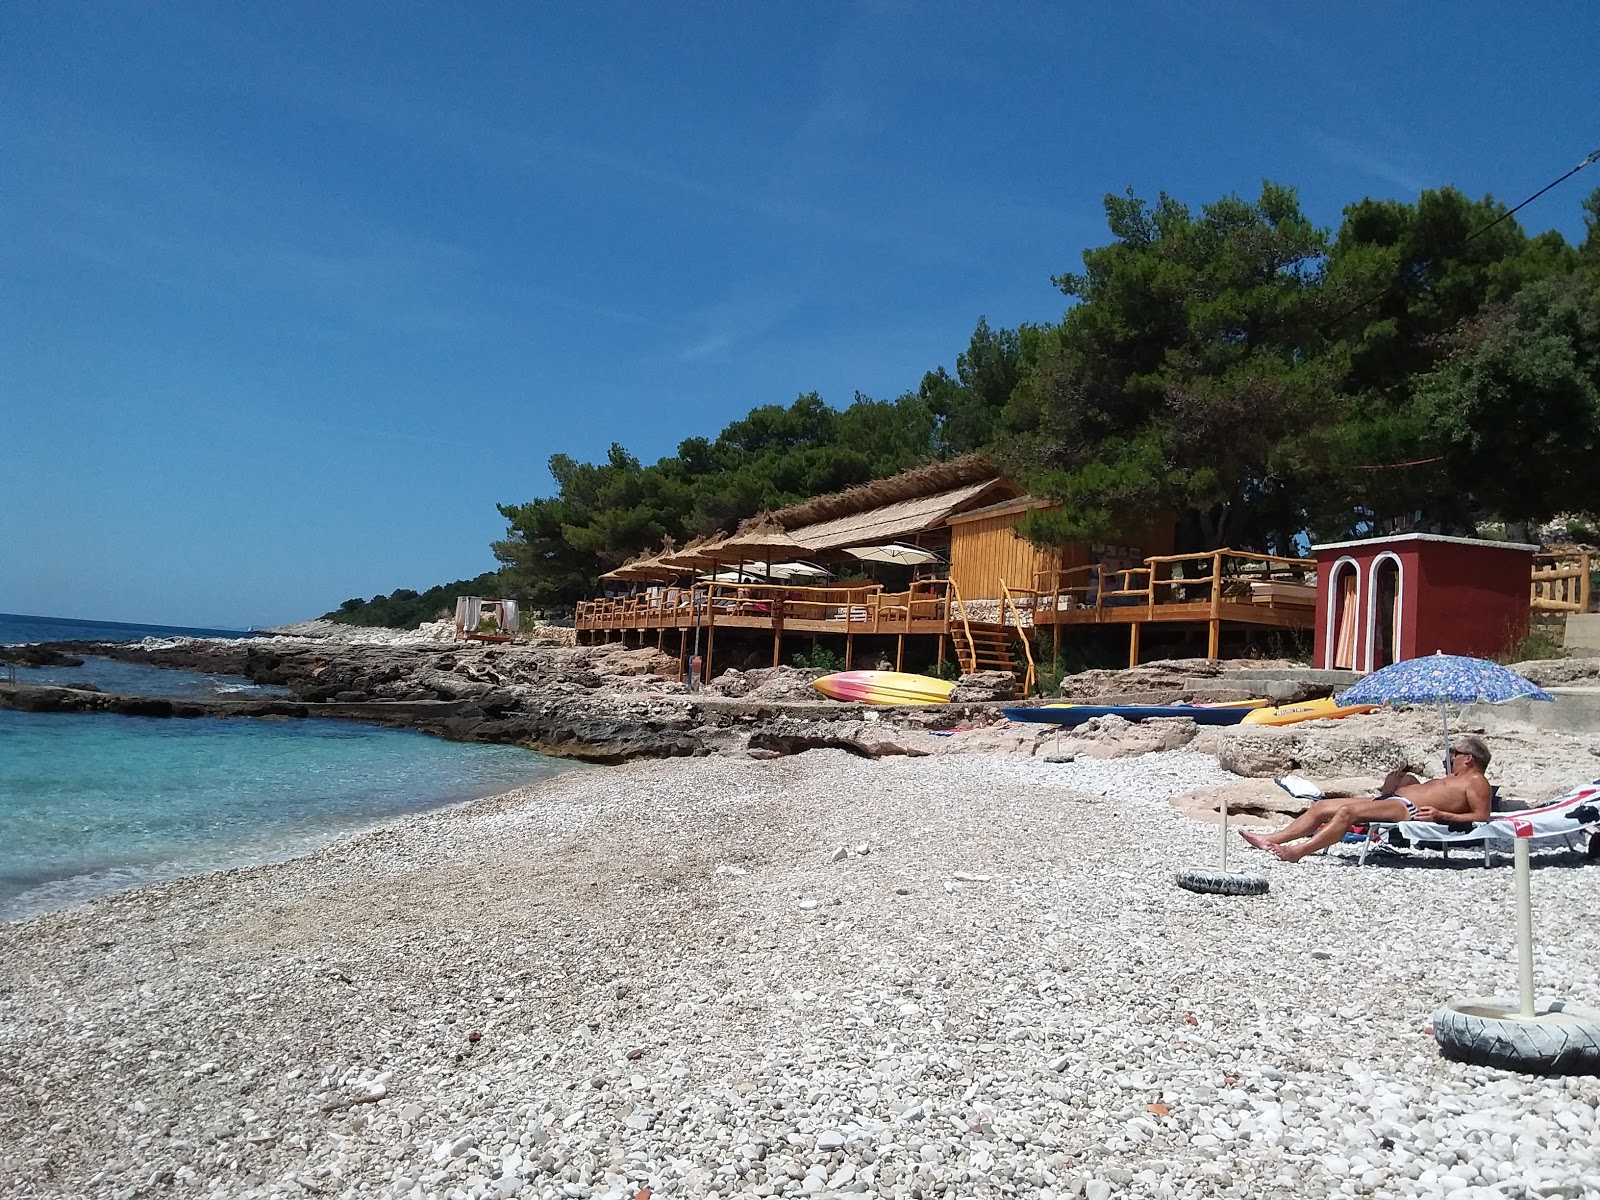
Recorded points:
(1224, 807)
(1444, 721)
(1524, 929)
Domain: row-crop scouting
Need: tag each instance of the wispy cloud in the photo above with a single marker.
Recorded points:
(744, 314)
(1344, 153)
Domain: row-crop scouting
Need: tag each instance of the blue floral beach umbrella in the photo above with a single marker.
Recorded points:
(1443, 679)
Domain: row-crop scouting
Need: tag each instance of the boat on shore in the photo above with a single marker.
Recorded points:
(885, 687)
(1077, 714)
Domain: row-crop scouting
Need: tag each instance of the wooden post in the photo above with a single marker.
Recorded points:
(941, 654)
(849, 648)
(1133, 644)
(900, 652)
(1585, 584)
(683, 654)
(711, 637)
(1214, 626)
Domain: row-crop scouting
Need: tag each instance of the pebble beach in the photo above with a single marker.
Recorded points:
(809, 975)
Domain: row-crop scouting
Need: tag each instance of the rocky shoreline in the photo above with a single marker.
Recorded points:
(613, 703)
(939, 956)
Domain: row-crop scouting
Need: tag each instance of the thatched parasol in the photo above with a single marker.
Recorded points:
(701, 552)
(645, 567)
(762, 539)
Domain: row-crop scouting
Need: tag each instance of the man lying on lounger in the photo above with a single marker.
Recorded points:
(1462, 795)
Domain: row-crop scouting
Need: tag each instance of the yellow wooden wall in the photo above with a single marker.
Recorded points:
(985, 551)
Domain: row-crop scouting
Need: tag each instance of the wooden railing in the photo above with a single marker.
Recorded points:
(1563, 583)
(966, 648)
(1209, 576)
(1008, 605)
(864, 609)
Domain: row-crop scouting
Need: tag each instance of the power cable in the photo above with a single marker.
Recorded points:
(1588, 160)
(1360, 304)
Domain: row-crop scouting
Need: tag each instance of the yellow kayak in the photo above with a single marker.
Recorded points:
(884, 687)
(1326, 709)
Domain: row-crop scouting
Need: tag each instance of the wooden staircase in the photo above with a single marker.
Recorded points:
(983, 647)
(986, 646)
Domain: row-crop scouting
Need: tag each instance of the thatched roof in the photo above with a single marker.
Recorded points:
(909, 485)
(899, 520)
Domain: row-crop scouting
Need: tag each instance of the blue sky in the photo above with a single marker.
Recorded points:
(292, 295)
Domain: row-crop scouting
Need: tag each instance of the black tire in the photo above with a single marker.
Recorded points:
(1563, 1040)
(1221, 883)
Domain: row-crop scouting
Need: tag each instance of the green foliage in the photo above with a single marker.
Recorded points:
(1173, 384)
(1234, 367)
(555, 548)
(948, 669)
(1049, 670)
(818, 658)
(1540, 643)
(406, 609)
(1517, 404)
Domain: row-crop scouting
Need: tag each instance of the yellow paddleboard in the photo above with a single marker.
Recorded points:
(1326, 709)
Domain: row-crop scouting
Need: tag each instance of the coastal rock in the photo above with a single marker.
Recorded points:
(40, 654)
(1250, 798)
(869, 739)
(984, 686)
(1115, 737)
(1165, 678)
(768, 683)
(1319, 749)
(1007, 738)
(1559, 672)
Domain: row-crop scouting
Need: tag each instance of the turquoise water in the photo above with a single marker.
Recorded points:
(93, 803)
(141, 679)
(109, 675)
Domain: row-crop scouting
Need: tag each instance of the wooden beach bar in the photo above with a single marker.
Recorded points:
(968, 586)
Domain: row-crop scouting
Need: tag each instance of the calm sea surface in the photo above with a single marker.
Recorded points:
(93, 803)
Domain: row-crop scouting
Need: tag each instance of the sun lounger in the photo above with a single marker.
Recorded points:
(1566, 817)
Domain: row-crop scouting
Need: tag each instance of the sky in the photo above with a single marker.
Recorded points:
(293, 295)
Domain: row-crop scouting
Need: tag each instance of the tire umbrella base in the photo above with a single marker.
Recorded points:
(1559, 1039)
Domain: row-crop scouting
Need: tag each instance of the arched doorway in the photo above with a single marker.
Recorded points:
(1385, 613)
(1344, 586)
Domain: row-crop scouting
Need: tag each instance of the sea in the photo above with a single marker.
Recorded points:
(93, 803)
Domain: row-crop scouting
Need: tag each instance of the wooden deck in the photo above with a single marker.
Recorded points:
(1214, 589)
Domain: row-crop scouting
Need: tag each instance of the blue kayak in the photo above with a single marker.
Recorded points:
(1077, 714)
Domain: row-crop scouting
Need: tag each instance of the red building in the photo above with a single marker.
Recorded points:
(1383, 600)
